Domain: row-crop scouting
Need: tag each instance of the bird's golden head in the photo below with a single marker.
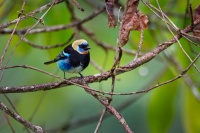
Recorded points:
(81, 46)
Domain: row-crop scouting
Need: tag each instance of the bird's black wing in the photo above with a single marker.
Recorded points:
(63, 55)
(59, 57)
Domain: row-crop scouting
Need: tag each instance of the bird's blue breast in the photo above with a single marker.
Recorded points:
(64, 65)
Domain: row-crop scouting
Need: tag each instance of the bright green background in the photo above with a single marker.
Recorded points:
(170, 108)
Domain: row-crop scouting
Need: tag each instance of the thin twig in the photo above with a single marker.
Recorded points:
(96, 66)
(141, 38)
(118, 16)
(187, 79)
(188, 37)
(2, 26)
(186, 13)
(110, 109)
(78, 6)
(58, 27)
(191, 14)
(162, 17)
(45, 47)
(37, 106)
(33, 68)
(9, 123)
(52, 75)
(11, 36)
(102, 44)
(175, 36)
(1, 76)
(2, 58)
(100, 120)
(117, 58)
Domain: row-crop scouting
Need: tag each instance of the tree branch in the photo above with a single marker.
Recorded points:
(98, 77)
(110, 109)
(18, 118)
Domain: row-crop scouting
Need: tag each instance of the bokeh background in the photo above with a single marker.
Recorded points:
(171, 108)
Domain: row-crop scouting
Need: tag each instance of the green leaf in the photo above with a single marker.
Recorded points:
(191, 113)
(161, 106)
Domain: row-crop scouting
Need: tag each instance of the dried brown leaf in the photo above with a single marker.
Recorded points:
(110, 4)
(132, 20)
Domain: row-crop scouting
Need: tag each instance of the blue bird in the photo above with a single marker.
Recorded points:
(74, 58)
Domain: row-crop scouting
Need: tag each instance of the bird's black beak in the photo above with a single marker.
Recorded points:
(87, 48)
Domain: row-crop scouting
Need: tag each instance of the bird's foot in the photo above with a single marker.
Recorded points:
(81, 76)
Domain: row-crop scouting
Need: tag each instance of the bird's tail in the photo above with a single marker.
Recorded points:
(49, 62)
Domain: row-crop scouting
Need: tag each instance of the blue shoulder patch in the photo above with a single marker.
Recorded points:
(66, 54)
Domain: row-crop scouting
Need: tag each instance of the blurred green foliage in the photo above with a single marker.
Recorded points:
(170, 108)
